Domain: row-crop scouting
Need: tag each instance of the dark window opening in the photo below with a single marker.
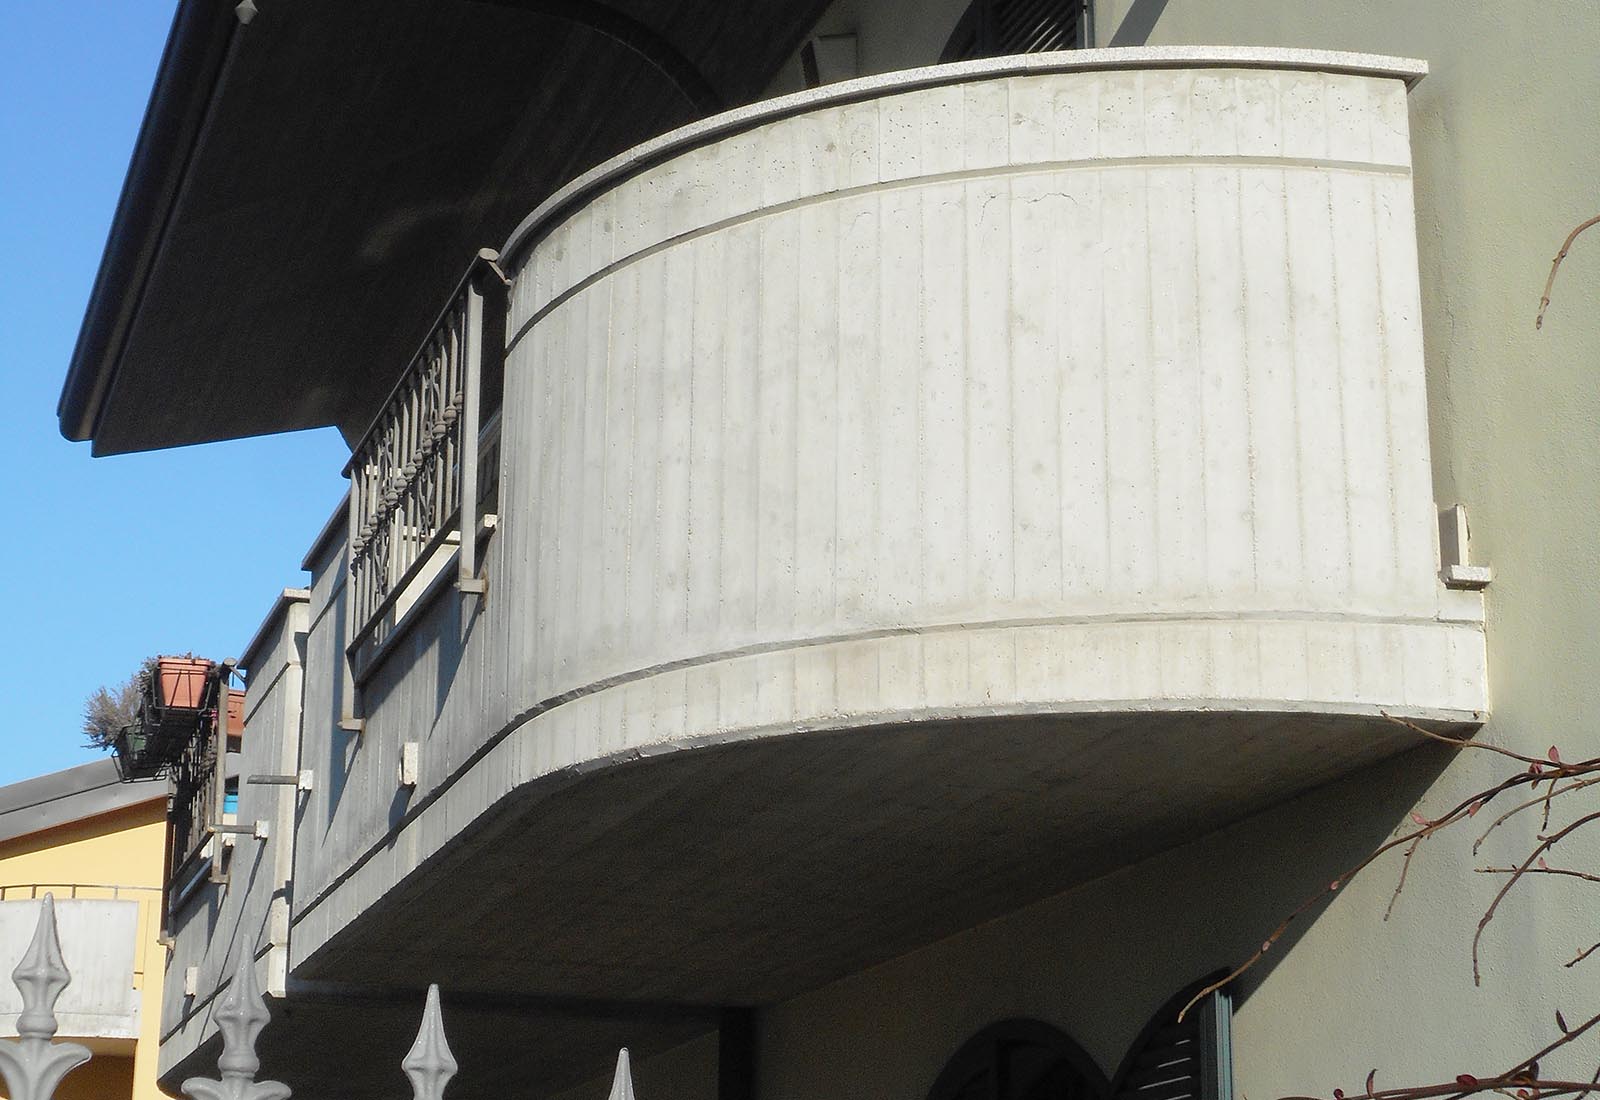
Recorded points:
(1020, 1060)
(1191, 1059)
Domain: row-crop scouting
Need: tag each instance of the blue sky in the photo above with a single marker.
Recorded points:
(108, 560)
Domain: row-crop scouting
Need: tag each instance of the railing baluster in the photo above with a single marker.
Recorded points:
(32, 1064)
(414, 475)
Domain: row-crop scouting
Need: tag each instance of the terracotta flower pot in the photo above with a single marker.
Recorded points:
(180, 681)
(235, 712)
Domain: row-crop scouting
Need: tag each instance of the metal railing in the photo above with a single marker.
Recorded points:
(414, 474)
(83, 891)
(199, 780)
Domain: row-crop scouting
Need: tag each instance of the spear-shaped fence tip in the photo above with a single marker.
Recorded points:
(241, 1014)
(31, 1064)
(41, 976)
(622, 1083)
(429, 1063)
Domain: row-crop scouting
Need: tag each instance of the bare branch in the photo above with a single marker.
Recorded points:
(1581, 955)
(1405, 866)
(1540, 800)
(1521, 1081)
(1585, 875)
(1544, 845)
(1555, 266)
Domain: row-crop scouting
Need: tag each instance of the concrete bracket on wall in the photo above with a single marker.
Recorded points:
(261, 830)
(410, 764)
(1454, 557)
(303, 780)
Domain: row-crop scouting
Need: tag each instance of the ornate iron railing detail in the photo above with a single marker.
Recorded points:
(414, 474)
(33, 1064)
(241, 1014)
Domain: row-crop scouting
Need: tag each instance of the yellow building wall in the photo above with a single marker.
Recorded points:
(120, 849)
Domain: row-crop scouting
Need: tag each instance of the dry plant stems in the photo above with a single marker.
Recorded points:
(1521, 1081)
(110, 708)
(1558, 777)
(1555, 266)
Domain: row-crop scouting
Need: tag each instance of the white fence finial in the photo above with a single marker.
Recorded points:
(429, 1063)
(241, 1014)
(622, 1083)
(32, 1064)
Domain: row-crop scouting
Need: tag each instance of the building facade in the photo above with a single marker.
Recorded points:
(96, 845)
(879, 559)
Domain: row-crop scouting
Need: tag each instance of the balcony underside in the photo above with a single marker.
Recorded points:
(669, 884)
(744, 873)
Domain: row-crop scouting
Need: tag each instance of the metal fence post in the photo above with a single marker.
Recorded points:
(32, 1064)
(429, 1063)
(241, 1014)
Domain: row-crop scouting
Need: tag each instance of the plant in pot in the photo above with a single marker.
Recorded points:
(142, 720)
(111, 709)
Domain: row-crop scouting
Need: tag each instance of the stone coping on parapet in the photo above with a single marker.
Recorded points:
(642, 156)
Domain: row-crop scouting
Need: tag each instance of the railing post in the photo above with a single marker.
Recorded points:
(350, 716)
(216, 792)
(471, 421)
(429, 1063)
(32, 1064)
(241, 1014)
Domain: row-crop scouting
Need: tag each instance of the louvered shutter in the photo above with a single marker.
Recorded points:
(994, 28)
(1192, 1060)
(1033, 26)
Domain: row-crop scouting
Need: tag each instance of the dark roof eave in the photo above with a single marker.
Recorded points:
(186, 80)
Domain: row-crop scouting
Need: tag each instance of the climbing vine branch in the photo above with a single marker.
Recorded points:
(1555, 266)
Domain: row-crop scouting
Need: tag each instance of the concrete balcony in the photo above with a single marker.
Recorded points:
(103, 931)
(1073, 382)
(1029, 418)
(916, 496)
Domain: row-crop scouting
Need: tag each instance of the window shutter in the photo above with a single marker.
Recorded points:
(994, 28)
(1033, 26)
(1192, 1060)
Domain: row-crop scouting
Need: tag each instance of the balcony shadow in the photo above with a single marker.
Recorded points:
(455, 635)
(1300, 848)
(1136, 25)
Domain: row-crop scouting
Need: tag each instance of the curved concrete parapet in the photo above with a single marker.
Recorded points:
(1087, 381)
